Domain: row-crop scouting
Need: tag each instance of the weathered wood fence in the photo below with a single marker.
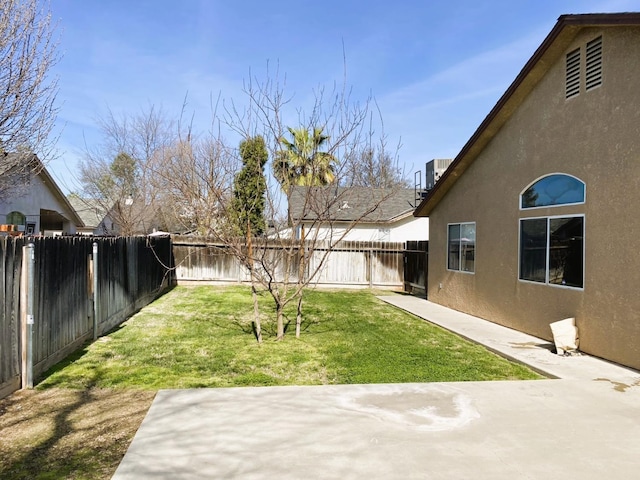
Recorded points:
(349, 264)
(416, 267)
(131, 272)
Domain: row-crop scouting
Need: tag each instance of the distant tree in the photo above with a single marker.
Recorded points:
(301, 162)
(530, 197)
(374, 167)
(117, 174)
(193, 179)
(27, 93)
(123, 181)
(116, 186)
(250, 188)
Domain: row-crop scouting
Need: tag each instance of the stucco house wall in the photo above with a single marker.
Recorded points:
(594, 137)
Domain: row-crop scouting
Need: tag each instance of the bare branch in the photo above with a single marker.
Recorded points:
(27, 93)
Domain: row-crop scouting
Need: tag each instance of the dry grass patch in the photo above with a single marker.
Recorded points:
(70, 434)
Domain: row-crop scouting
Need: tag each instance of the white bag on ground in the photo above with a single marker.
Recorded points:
(565, 335)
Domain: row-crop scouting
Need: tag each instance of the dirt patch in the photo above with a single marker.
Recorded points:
(71, 434)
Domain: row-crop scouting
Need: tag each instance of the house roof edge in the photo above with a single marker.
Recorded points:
(565, 29)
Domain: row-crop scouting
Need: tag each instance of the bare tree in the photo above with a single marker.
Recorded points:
(374, 167)
(117, 174)
(287, 260)
(27, 93)
(194, 178)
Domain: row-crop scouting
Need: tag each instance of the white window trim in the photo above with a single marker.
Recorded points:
(475, 249)
(546, 275)
(528, 209)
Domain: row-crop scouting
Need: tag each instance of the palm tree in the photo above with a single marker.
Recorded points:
(301, 163)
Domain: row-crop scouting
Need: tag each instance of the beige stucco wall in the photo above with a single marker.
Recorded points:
(595, 137)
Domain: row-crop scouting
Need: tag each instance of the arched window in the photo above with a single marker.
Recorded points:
(16, 218)
(552, 190)
(552, 247)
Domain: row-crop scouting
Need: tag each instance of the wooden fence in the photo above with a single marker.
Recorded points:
(416, 267)
(349, 264)
(131, 272)
(10, 269)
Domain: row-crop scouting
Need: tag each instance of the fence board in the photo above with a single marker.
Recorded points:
(10, 261)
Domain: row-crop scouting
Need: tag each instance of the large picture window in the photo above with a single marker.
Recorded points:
(552, 250)
(461, 238)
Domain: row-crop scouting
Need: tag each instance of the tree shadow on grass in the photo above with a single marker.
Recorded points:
(52, 432)
(65, 433)
(73, 358)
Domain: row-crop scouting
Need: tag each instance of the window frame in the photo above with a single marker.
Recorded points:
(475, 248)
(548, 219)
(10, 217)
(526, 209)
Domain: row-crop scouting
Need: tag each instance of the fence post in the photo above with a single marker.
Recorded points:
(370, 266)
(96, 303)
(31, 260)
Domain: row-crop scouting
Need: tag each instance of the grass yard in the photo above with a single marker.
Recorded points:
(201, 337)
(80, 420)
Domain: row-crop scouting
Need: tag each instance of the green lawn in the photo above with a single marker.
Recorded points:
(201, 337)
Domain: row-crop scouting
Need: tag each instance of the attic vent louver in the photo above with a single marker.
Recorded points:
(572, 86)
(593, 76)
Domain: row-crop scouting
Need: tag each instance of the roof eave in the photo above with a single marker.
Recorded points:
(565, 29)
(358, 220)
(53, 186)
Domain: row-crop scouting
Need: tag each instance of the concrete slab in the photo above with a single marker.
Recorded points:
(586, 424)
(480, 430)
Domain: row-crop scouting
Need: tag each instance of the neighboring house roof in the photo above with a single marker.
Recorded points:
(551, 49)
(349, 204)
(89, 210)
(42, 172)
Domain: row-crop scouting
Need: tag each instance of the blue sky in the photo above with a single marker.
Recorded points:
(435, 68)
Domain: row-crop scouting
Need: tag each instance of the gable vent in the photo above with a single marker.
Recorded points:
(593, 76)
(572, 85)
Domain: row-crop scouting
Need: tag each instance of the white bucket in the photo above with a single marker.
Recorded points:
(565, 335)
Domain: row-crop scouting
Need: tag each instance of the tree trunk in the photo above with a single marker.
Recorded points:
(256, 312)
(301, 281)
(280, 321)
(299, 315)
(254, 292)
